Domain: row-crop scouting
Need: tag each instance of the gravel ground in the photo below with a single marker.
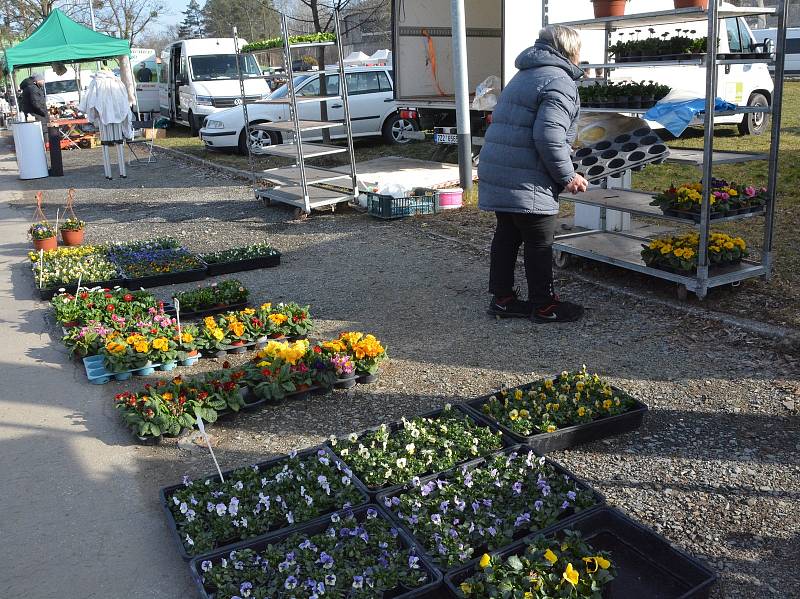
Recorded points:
(714, 468)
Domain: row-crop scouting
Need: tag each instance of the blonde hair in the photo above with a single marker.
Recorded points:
(565, 40)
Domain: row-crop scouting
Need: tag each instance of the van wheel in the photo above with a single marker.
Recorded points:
(194, 130)
(258, 139)
(755, 123)
(395, 129)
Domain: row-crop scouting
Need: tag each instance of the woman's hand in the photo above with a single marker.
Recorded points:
(577, 185)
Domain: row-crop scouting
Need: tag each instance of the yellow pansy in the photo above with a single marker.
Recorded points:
(524, 413)
(550, 557)
(513, 415)
(548, 384)
(518, 394)
(466, 588)
(581, 411)
(607, 404)
(551, 428)
(485, 560)
(571, 575)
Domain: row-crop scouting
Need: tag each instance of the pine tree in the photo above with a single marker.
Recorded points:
(192, 24)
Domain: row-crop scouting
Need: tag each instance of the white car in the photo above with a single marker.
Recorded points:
(372, 112)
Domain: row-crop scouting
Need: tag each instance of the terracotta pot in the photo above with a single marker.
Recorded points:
(72, 237)
(691, 4)
(609, 8)
(237, 343)
(192, 354)
(49, 243)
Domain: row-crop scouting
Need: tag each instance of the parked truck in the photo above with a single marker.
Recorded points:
(498, 30)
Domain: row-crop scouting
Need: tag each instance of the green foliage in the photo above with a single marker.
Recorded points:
(277, 42)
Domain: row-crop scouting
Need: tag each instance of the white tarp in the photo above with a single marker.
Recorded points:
(356, 58)
(381, 56)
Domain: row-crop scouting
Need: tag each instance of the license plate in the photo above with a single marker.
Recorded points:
(445, 138)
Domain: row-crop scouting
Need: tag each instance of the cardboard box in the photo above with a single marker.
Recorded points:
(151, 133)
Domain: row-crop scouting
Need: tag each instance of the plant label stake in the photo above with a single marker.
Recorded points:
(78, 290)
(208, 443)
(178, 318)
(57, 212)
(41, 269)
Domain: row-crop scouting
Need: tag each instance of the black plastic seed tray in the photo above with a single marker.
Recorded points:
(569, 436)
(166, 494)
(611, 158)
(600, 500)
(224, 268)
(189, 314)
(647, 565)
(431, 589)
(47, 293)
(395, 426)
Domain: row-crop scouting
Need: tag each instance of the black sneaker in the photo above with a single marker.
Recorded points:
(509, 307)
(557, 311)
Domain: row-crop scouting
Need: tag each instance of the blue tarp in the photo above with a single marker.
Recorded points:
(676, 116)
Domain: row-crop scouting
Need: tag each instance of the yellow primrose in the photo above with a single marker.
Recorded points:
(277, 319)
(218, 334)
(266, 307)
(550, 557)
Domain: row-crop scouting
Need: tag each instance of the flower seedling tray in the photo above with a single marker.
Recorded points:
(431, 589)
(569, 436)
(47, 293)
(98, 374)
(600, 500)
(168, 278)
(166, 492)
(695, 216)
(647, 564)
(224, 268)
(395, 426)
(191, 314)
(611, 158)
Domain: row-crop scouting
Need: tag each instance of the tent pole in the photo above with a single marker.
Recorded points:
(14, 90)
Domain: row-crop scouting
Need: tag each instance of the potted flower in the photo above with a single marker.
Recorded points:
(43, 236)
(609, 8)
(702, 4)
(543, 567)
(121, 356)
(145, 415)
(187, 344)
(164, 351)
(367, 353)
(213, 337)
(72, 231)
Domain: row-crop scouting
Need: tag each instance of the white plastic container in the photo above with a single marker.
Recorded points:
(29, 144)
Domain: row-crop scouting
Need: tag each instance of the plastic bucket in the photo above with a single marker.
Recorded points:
(29, 144)
(450, 198)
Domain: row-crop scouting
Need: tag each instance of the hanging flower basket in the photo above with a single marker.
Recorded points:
(72, 229)
(41, 232)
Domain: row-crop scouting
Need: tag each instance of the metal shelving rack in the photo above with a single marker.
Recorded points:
(623, 248)
(299, 185)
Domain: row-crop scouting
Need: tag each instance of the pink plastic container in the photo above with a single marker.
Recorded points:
(450, 198)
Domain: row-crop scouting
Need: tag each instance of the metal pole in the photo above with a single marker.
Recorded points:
(708, 150)
(774, 148)
(459, 33)
(243, 96)
(348, 123)
(94, 28)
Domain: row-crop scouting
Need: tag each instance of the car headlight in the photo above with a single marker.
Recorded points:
(214, 125)
(204, 100)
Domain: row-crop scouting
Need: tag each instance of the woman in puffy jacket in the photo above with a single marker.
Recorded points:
(525, 164)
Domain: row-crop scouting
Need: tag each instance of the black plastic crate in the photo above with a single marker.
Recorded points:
(190, 314)
(647, 564)
(47, 293)
(394, 426)
(432, 589)
(166, 492)
(569, 436)
(224, 268)
(600, 500)
(420, 201)
(169, 278)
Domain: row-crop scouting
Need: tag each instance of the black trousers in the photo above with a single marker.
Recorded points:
(536, 232)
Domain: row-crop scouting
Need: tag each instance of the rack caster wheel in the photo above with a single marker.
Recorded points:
(683, 293)
(562, 259)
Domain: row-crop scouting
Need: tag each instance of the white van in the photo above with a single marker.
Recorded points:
(199, 77)
(146, 87)
(62, 89)
(792, 46)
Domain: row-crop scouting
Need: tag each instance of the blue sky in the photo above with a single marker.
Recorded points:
(172, 11)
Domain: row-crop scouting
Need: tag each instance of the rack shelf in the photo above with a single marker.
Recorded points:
(298, 185)
(621, 249)
(309, 150)
(299, 126)
(638, 203)
(663, 17)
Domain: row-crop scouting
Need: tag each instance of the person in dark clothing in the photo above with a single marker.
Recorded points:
(525, 164)
(144, 75)
(33, 100)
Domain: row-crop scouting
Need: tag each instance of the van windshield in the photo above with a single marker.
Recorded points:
(60, 87)
(223, 66)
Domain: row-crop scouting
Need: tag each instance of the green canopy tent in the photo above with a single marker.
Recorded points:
(60, 39)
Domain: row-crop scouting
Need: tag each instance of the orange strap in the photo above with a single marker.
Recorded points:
(431, 59)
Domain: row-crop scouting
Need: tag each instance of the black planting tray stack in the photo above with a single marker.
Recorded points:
(611, 158)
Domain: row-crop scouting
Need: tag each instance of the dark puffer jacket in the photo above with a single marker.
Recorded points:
(525, 162)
